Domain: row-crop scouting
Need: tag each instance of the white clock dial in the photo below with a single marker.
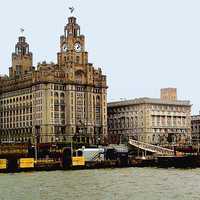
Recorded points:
(77, 47)
(64, 47)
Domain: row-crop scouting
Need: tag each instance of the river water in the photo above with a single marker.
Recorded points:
(102, 184)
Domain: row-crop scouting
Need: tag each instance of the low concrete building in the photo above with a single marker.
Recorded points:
(156, 121)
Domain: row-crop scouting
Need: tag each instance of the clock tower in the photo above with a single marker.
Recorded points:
(86, 88)
(72, 45)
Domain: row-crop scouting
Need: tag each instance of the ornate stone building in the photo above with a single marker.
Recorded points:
(195, 123)
(54, 101)
(161, 121)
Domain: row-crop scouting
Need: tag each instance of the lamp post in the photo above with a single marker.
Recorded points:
(56, 139)
(37, 128)
(36, 148)
(99, 139)
(9, 141)
(198, 143)
(71, 145)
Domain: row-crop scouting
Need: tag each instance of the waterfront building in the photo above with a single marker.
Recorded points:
(52, 102)
(195, 124)
(161, 121)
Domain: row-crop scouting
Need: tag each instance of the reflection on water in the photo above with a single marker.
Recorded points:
(111, 184)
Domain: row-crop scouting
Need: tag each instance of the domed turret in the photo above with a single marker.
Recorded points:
(22, 58)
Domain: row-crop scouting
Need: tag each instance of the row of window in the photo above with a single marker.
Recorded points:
(152, 108)
(16, 112)
(16, 99)
(16, 125)
(16, 118)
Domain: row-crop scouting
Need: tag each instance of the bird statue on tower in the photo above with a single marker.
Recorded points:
(71, 9)
(22, 31)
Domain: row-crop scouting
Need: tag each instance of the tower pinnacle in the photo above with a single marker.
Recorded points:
(72, 28)
(21, 58)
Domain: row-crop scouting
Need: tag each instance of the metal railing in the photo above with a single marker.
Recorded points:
(151, 148)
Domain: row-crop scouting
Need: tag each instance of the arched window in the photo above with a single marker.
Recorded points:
(56, 94)
(79, 75)
(62, 95)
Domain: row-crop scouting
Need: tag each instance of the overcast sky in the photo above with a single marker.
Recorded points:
(141, 45)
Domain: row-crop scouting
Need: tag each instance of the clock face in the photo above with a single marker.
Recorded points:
(64, 47)
(77, 47)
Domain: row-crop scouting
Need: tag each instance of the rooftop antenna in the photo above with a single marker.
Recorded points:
(71, 9)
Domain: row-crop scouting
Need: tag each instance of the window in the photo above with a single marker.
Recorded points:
(77, 59)
(56, 94)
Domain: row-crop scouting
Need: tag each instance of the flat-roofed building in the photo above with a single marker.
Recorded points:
(151, 120)
(195, 124)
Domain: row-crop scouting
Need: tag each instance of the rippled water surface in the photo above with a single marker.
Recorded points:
(111, 184)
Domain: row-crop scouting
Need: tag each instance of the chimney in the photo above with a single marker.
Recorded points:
(169, 94)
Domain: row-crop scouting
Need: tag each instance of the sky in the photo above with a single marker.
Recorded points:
(141, 45)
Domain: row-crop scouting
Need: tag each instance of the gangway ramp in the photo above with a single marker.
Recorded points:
(151, 148)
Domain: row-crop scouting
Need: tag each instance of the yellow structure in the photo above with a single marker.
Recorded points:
(26, 163)
(3, 163)
(169, 94)
(78, 161)
(53, 102)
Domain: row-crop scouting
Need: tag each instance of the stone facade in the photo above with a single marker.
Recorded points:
(54, 101)
(155, 121)
(195, 123)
